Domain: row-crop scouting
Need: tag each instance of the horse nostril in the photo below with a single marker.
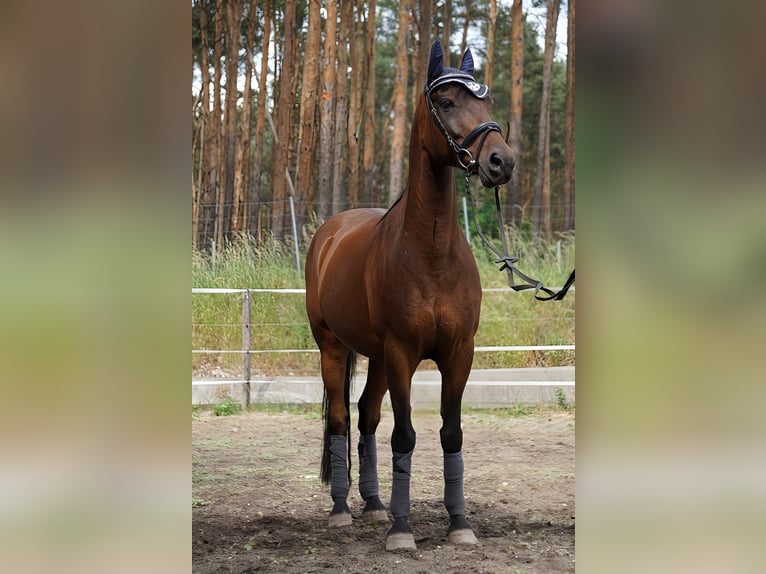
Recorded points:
(498, 164)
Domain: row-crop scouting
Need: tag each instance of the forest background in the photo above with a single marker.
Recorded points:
(311, 102)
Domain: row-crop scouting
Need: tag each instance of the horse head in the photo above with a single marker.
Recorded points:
(459, 108)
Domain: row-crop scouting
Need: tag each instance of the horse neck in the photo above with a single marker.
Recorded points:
(429, 205)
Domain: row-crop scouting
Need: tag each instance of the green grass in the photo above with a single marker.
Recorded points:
(279, 319)
(308, 410)
(561, 399)
(227, 407)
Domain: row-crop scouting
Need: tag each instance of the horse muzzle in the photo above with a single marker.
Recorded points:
(496, 165)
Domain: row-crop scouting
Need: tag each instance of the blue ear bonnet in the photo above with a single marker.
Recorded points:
(438, 74)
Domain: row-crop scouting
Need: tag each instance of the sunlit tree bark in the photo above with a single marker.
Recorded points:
(368, 158)
(307, 137)
(569, 125)
(396, 165)
(542, 204)
(513, 199)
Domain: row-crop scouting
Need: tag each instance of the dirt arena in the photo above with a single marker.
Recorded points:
(258, 504)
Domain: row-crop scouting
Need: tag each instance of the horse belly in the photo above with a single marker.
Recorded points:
(335, 285)
(345, 311)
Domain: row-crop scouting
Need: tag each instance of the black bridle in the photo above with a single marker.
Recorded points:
(460, 149)
(471, 166)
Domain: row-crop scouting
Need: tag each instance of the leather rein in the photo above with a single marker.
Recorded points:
(471, 167)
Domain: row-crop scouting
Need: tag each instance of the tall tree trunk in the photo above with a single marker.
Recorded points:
(307, 137)
(447, 31)
(216, 176)
(569, 125)
(284, 106)
(540, 208)
(248, 142)
(260, 118)
(416, 36)
(339, 195)
(546, 187)
(242, 160)
(327, 109)
(355, 108)
(422, 48)
(396, 164)
(368, 158)
(513, 199)
(489, 67)
(205, 197)
(383, 151)
(466, 23)
(199, 132)
(233, 25)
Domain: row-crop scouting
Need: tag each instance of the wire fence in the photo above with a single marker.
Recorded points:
(265, 336)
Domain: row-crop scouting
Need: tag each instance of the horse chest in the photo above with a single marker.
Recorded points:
(427, 321)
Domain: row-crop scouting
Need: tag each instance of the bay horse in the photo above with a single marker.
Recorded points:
(399, 286)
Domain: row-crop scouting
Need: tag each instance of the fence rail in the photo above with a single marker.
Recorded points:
(247, 352)
(300, 290)
(477, 349)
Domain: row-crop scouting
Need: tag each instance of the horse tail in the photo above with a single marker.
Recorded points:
(326, 468)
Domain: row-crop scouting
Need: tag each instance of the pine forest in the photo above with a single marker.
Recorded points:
(301, 109)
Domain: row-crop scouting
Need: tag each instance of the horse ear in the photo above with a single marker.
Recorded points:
(466, 65)
(436, 61)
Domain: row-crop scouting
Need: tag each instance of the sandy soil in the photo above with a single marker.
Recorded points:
(258, 504)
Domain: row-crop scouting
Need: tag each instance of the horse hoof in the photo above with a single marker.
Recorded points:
(375, 516)
(463, 536)
(339, 519)
(400, 541)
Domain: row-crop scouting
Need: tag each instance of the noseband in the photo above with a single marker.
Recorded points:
(461, 151)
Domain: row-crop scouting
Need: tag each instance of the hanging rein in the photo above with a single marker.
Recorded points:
(470, 165)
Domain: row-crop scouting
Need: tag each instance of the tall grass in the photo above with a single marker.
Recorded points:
(279, 319)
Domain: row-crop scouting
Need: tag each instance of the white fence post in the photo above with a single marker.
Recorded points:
(246, 328)
(295, 237)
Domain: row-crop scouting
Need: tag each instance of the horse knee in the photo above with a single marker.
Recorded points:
(368, 422)
(403, 439)
(451, 438)
(336, 423)
(369, 418)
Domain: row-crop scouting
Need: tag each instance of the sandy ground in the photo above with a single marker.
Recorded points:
(258, 504)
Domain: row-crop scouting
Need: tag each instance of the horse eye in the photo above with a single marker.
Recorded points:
(446, 103)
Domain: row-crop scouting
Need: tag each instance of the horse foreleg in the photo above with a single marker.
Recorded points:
(399, 376)
(453, 384)
(369, 418)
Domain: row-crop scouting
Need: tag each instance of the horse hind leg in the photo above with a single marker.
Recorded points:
(369, 418)
(337, 367)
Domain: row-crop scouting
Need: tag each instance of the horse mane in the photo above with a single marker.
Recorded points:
(397, 200)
